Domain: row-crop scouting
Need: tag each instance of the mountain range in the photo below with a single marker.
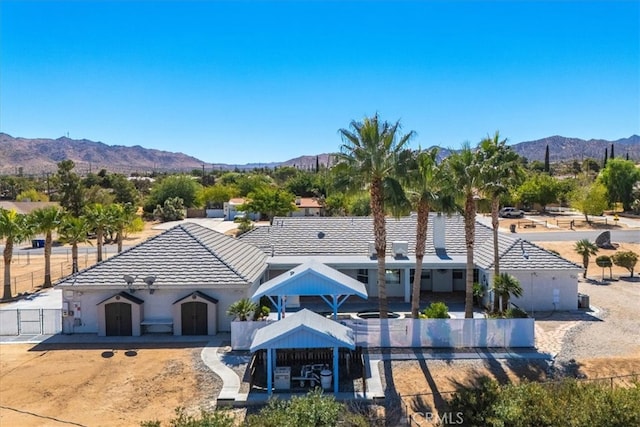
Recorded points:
(41, 155)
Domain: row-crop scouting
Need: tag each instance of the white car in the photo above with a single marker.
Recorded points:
(509, 212)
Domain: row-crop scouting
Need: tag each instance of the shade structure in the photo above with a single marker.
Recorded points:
(312, 278)
(304, 329)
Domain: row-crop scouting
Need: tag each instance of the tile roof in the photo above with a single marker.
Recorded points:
(349, 236)
(185, 255)
(520, 254)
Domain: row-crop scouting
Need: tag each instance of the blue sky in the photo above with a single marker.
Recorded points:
(240, 81)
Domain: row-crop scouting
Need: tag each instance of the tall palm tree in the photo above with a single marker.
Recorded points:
(99, 219)
(14, 229)
(370, 153)
(504, 286)
(467, 179)
(423, 189)
(585, 248)
(501, 171)
(74, 230)
(46, 220)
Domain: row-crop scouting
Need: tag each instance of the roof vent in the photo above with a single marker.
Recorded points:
(372, 249)
(400, 248)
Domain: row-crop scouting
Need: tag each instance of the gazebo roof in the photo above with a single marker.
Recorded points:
(304, 329)
(311, 278)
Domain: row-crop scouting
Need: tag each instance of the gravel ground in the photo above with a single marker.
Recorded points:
(612, 331)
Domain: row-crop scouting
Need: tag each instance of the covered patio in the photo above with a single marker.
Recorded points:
(311, 279)
(303, 331)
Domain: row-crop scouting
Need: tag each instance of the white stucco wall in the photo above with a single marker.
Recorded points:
(539, 286)
(156, 306)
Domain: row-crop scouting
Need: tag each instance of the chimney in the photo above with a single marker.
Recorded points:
(438, 231)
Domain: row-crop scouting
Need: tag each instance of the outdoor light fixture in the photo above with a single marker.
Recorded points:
(149, 281)
(129, 280)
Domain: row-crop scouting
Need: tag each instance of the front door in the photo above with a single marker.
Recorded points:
(118, 319)
(194, 318)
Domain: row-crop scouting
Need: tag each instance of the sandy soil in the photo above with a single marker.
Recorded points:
(100, 386)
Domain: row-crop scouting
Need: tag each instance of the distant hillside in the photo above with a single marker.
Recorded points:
(561, 148)
(36, 156)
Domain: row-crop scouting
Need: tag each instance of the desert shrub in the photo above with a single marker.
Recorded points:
(217, 418)
(568, 402)
(437, 310)
(626, 259)
(515, 313)
(172, 210)
(312, 410)
(476, 403)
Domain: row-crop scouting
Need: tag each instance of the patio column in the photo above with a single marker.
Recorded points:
(269, 372)
(406, 281)
(335, 370)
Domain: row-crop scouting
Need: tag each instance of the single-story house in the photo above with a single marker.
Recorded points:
(346, 244)
(181, 281)
(230, 210)
(307, 206)
(184, 279)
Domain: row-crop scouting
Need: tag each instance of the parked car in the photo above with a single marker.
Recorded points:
(510, 212)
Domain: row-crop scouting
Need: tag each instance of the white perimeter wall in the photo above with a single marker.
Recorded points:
(445, 333)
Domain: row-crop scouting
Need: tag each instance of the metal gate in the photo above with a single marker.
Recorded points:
(40, 321)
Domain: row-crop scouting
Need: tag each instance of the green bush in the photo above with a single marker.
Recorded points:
(217, 418)
(568, 402)
(515, 313)
(437, 310)
(311, 410)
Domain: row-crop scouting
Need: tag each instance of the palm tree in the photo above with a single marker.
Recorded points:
(370, 154)
(74, 230)
(242, 309)
(119, 217)
(501, 171)
(423, 189)
(14, 229)
(504, 286)
(46, 220)
(585, 248)
(467, 179)
(98, 218)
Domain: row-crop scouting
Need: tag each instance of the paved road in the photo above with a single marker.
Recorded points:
(625, 236)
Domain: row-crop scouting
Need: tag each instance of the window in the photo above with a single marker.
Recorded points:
(363, 276)
(392, 277)
(458, 274)
(476, 276)
(425, 275)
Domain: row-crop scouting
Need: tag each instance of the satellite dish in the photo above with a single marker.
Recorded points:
(129, 279)
(149, 280)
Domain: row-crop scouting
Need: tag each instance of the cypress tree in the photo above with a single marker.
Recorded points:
(627, 155)
(604, 165)
(546, 159)
(611, 156)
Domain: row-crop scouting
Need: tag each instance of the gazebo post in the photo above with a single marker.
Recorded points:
(335, 370)
(269, 371)
(335, 307)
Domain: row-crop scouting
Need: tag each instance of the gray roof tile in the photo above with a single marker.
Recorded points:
(185, 255)
(349, 236)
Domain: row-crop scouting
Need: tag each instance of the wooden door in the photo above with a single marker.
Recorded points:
(118, 319)
(194, 318)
